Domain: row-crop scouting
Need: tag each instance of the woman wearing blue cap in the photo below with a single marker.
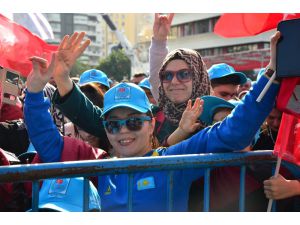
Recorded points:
(129, 125)
(183, 76)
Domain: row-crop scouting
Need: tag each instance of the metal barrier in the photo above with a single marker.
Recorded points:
(37, 172)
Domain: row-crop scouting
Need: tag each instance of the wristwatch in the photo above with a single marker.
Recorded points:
(269, 72)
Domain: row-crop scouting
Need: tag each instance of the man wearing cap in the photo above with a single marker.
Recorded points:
(138, 77)
(225, 80)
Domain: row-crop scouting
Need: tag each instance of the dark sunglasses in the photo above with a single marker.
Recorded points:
(183, 76)
(132, 124)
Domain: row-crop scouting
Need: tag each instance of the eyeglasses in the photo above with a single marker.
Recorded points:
(183, 76)
(132, 124)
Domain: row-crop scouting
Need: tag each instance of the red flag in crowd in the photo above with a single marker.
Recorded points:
(17, 44)
(248, 24)
(0, 95)
(287, 144)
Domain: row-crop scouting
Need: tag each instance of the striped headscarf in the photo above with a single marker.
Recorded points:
(200, 87)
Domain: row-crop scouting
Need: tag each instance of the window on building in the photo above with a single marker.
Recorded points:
(92, 18)
(56, 26)
(92, 28)
(202, 26)
(80, 19)
(52, 16)
(81, 27)
(174, 32)
(92, 38)
(212, 23)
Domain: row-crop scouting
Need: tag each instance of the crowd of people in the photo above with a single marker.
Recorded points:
(182, 107)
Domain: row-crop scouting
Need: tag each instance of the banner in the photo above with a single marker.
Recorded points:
(287, 144)
(232, 25)
(17, 44)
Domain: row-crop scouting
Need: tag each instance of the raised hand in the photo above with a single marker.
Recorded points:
(189, 121)
(162, 26)
(274, 40)
(41, 73)
(68, 52)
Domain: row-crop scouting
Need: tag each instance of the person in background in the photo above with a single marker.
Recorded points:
(129, 125)
(95, 94)
(146, 86)
(269, 131)
(245, 87)
(95, 76)
(138, 77)
(225, 81)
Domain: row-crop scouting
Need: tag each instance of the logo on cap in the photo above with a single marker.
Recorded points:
(122, 93)
(59, 186)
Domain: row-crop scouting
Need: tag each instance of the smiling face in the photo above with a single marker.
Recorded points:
(128, 143)
(176, 91)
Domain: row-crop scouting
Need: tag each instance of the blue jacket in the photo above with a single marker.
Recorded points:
(150, 188)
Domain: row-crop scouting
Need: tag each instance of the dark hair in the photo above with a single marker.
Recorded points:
(95, 94)
(139, 75)
(230, 79)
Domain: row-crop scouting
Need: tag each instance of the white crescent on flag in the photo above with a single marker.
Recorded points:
(36, 23)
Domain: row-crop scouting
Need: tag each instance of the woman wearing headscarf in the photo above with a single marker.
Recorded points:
(182, 77)
(193, 83)
(175, 78)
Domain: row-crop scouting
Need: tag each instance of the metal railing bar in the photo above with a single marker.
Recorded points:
(242, 189)
(206, 190)
(130, 188)
(170, 183)
(18, 173)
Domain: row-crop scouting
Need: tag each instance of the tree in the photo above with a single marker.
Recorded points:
(117, 65)
(79, 68)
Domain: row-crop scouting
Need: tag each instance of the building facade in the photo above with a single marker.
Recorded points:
(67, 23)
(195, 31)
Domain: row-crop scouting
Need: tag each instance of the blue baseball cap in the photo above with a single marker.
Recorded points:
(145, 83)
(66, 195)
(93, 76)
(127, 95)
(211, 103)
(222, 70)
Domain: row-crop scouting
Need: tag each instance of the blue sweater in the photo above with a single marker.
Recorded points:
(150, 188)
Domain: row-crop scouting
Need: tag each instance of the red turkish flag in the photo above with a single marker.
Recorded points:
(17, 44)
(249, 24)
(287, 144)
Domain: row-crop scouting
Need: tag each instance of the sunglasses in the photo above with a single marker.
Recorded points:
(132, 124)
(183, 76)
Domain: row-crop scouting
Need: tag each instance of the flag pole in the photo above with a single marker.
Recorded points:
(275, 175)
(266, 88)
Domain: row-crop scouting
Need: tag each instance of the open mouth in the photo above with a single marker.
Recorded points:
(126, 142)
